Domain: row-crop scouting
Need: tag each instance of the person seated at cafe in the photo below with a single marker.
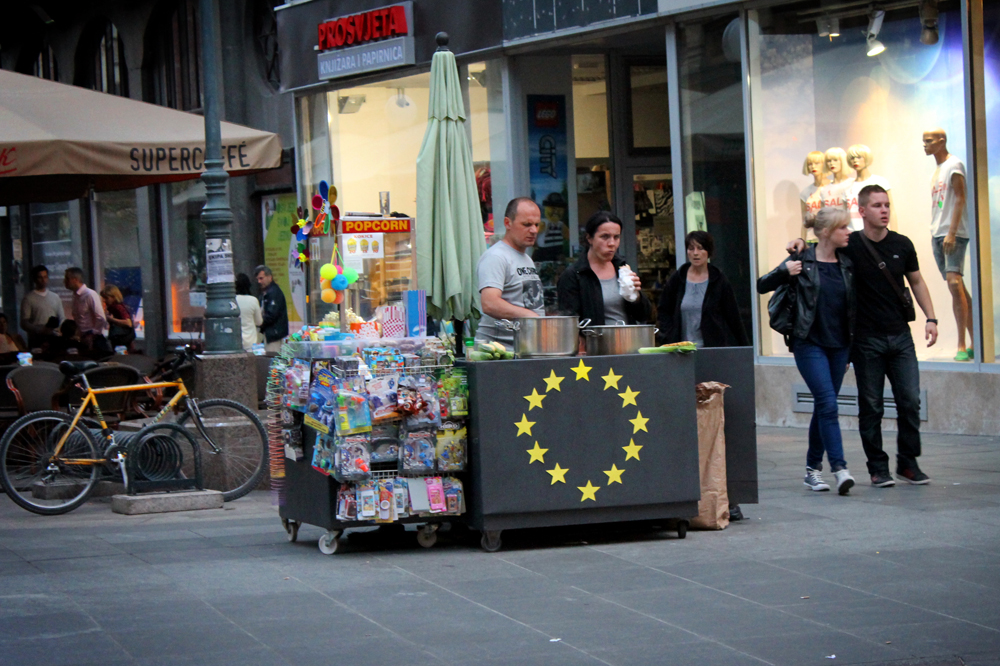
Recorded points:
(589, 288)
(10, 343)
(66, 343)
(509, 286)
(698, 303)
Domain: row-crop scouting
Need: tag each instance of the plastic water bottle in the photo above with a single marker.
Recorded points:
(626, 287)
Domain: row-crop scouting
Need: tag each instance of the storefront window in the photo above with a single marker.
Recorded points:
(991, 261)
(713, 150)
(826, 96)
(590, 136)
(117, 225)
(184, 259)
(648, 101)
(57, 244)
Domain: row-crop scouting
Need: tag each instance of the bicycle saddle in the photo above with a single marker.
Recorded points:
(73, 368)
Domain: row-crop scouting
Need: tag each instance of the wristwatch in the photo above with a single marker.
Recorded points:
(932, 321)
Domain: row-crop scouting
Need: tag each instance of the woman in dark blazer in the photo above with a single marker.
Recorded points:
(716, 323)
(589, 288)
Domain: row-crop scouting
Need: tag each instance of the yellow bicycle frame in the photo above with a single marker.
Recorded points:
(91, 397)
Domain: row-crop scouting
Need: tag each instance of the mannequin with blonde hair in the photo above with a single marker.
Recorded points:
(859, 156)
(811, 199)
(836, 192)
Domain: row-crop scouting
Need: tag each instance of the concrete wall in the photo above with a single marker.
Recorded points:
(958, 403)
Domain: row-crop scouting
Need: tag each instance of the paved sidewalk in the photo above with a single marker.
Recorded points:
(906, 575)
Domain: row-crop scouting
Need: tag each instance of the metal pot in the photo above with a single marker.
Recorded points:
(544, 337)
(622, 339)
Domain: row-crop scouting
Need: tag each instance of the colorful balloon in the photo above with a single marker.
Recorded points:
(339, 297)
(351, 275)
(328, 296)
(324, 284)
(339, 283)
(328, 271)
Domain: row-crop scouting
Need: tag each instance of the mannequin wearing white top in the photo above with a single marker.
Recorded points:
(936, 145)
(859, 156)
(835, 194)
(810, 197)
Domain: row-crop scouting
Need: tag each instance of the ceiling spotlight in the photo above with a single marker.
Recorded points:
(874, 27)
(835, 27)
(823, 27)
(929, 22)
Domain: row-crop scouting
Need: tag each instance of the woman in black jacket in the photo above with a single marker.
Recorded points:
(698, 303)
(821, 338)
(589, 288)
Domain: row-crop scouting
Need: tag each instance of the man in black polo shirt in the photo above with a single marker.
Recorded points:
(883, 346)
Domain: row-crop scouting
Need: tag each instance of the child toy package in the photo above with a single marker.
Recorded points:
(451, 447)
(435, 494)
(323, 456)
(352, 413)
(367, 509)
(454, 388)
(353, 458)
(297, 385)
(418, 400)
(401, 493)
(382, 396)
(347, 503)
(454, 496)
(321, 405)
(385, 442)
(417, 452)
(386, 502)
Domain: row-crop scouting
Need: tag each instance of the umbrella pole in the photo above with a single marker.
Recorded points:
(222, 315)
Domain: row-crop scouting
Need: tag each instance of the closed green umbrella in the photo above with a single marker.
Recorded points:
(450, 236)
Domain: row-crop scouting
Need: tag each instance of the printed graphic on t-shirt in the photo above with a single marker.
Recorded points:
(943, 199)
(835, 195)
(532, 292)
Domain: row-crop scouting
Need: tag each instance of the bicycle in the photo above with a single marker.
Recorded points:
(50, 461)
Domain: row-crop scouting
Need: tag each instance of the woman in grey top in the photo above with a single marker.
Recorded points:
(698, 303)
(589, 288)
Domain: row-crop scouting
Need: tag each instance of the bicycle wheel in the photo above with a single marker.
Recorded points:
(30, 475)
(234, 460)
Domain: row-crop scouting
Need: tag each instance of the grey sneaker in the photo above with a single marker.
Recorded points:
(814, 480)
(844, 481)
(882, 480)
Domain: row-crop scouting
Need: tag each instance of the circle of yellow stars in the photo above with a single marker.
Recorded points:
(554, 383)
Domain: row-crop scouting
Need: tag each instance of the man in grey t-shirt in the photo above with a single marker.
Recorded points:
(509, 286)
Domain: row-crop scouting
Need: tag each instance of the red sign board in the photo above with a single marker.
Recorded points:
(362, 28)
(398, 225)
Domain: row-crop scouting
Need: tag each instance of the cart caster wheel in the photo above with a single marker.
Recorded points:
(329, 543)
(491, 541)
(292, 527)
(682, 529)
(427, 536)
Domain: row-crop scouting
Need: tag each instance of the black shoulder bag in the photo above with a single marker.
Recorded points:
(902, 292)
(781, 307)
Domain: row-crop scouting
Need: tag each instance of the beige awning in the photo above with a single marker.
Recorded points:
(57, 141)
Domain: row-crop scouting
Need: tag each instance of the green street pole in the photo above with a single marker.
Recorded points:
(222, 315)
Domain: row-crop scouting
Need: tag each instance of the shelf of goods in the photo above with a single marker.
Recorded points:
(371, 440)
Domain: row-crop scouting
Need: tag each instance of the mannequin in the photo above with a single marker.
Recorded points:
(949, 231)
(811, 200)
(859, 156)
(835, 193)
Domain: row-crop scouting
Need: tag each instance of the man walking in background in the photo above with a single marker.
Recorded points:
(273, 310)
(41, 309)
(883, 346)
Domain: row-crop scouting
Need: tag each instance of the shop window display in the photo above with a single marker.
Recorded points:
(117, 225)
(184, 259)
(57, 243)
(836, 112)
(991, 270)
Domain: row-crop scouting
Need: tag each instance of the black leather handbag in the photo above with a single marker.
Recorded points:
(781, 308)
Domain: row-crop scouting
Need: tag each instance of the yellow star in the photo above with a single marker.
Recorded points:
(614, 474)
(638, 422)
(589, 491)
(553, 382)
(632, 450)
(582, 371)
(534, 400)
(538, 454)
(611, 379)
(525, 426)
(558, 474)
(628, 397)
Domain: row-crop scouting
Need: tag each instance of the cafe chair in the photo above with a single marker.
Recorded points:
(35, 387)
(8, 401)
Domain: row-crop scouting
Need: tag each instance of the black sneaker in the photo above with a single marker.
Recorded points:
(913, 475)
(882, 480)
(735, 514)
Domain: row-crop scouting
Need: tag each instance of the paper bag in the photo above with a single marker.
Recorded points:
(713, 508)
(394, 321)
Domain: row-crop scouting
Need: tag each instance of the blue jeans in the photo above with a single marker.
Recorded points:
(823, 369)
(876, 357)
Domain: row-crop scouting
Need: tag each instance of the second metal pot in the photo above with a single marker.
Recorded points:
(609, 340)
(542, 337)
